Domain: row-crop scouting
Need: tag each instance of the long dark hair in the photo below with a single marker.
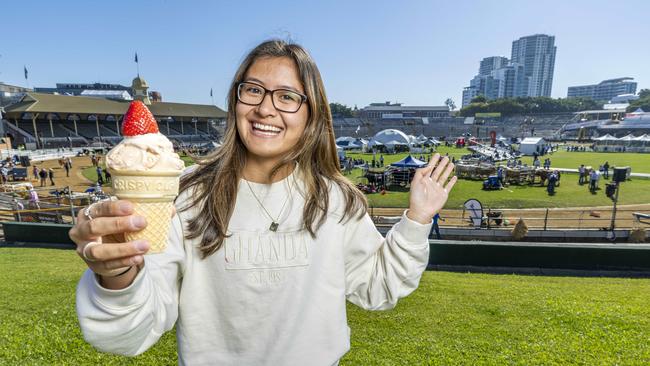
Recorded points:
(215, 181)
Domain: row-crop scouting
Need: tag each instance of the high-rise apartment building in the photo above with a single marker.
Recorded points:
(537, 54)
(528, 73)
(605, 90)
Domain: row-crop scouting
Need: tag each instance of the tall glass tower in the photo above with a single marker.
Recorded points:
(537, 55)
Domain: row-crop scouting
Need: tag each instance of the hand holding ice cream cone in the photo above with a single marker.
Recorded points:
(145, 170)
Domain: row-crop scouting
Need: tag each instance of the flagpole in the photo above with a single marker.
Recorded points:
(26, 76)
(137, 64)
(211, 96)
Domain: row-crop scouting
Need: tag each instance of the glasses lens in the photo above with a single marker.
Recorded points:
(250, 93)
(287, 100)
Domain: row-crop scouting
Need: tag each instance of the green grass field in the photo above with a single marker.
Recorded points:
(452, 319)
(640, 163)
(568, 194)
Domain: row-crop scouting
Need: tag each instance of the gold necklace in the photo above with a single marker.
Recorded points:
(274, 222)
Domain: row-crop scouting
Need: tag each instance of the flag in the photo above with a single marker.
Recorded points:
(210, 91)
(136, 57)
(25, 67)
(358, 128)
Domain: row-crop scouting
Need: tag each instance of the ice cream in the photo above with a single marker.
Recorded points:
(145, 170)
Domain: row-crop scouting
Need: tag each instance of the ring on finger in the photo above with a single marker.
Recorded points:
(87, 211)
(84, 252)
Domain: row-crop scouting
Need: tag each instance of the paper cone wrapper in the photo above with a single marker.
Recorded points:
(152, 195)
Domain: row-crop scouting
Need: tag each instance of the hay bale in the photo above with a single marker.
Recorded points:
(637, 235)
(520, 230)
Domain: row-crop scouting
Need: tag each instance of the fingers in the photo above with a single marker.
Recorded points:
(426, 171)
(446, 173)
(105, 208)
(115, 255)
(102, 226)
(120, 263)
(451, 183)
(439, 169)
(111, 208)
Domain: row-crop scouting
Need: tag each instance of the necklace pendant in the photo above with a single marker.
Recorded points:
(274, 226)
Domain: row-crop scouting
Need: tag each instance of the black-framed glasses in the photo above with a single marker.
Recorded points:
(284, 100)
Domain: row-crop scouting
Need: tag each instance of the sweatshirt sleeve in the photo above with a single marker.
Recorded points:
(380, 271)
(131, 320)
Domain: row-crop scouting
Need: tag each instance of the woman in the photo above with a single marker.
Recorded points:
(269, 240)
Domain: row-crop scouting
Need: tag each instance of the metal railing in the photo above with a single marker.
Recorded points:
(537, 219)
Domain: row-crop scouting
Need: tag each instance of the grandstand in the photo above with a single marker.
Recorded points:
(540, 125)
(46, 120)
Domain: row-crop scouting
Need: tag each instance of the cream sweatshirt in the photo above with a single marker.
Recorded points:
(264, 298)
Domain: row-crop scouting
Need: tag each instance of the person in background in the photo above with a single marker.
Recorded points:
(35, 172)
(500, 176)
(436, 228)
(43, 175)
(17, 206)
(5, 174)
(606, 170)
(552, 182)
(581, 174)
(50, 174)
(34, 202)
(100, 178)
(66, 166)
(593, 180)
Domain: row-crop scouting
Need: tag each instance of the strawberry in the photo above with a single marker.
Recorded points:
(138, 120)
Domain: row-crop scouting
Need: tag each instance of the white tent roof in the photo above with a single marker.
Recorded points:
(532, 141)
(394, 142)
(390, 135)
(629, 137)
(346, 138)
(607, 137)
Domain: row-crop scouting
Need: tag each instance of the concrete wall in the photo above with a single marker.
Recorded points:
(597, 257)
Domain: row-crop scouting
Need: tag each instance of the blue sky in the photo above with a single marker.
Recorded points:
(414, 52)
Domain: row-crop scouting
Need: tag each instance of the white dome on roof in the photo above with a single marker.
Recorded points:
(392, 136)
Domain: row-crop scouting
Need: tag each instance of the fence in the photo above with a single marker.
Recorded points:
(60, 208)
(539, 219)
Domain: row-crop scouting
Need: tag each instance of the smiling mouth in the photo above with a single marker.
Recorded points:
(265, 130)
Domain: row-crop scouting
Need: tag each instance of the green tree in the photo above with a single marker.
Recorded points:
(479, 99)
(473, 108)
(644, 93)
(450, 104)
(643, 103)
(529, 105)
(340, 110)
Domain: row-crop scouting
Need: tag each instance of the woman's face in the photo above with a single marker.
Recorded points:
(267, 133)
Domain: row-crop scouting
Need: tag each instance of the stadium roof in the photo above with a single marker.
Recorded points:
(66, 104)
(443, 108)
(601, 111)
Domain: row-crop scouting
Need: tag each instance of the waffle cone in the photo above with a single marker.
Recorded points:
(152, 195)
(158, 215)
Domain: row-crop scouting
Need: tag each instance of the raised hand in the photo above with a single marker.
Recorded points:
(430, 189)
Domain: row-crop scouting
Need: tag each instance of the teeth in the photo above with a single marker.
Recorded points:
(260, 126)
